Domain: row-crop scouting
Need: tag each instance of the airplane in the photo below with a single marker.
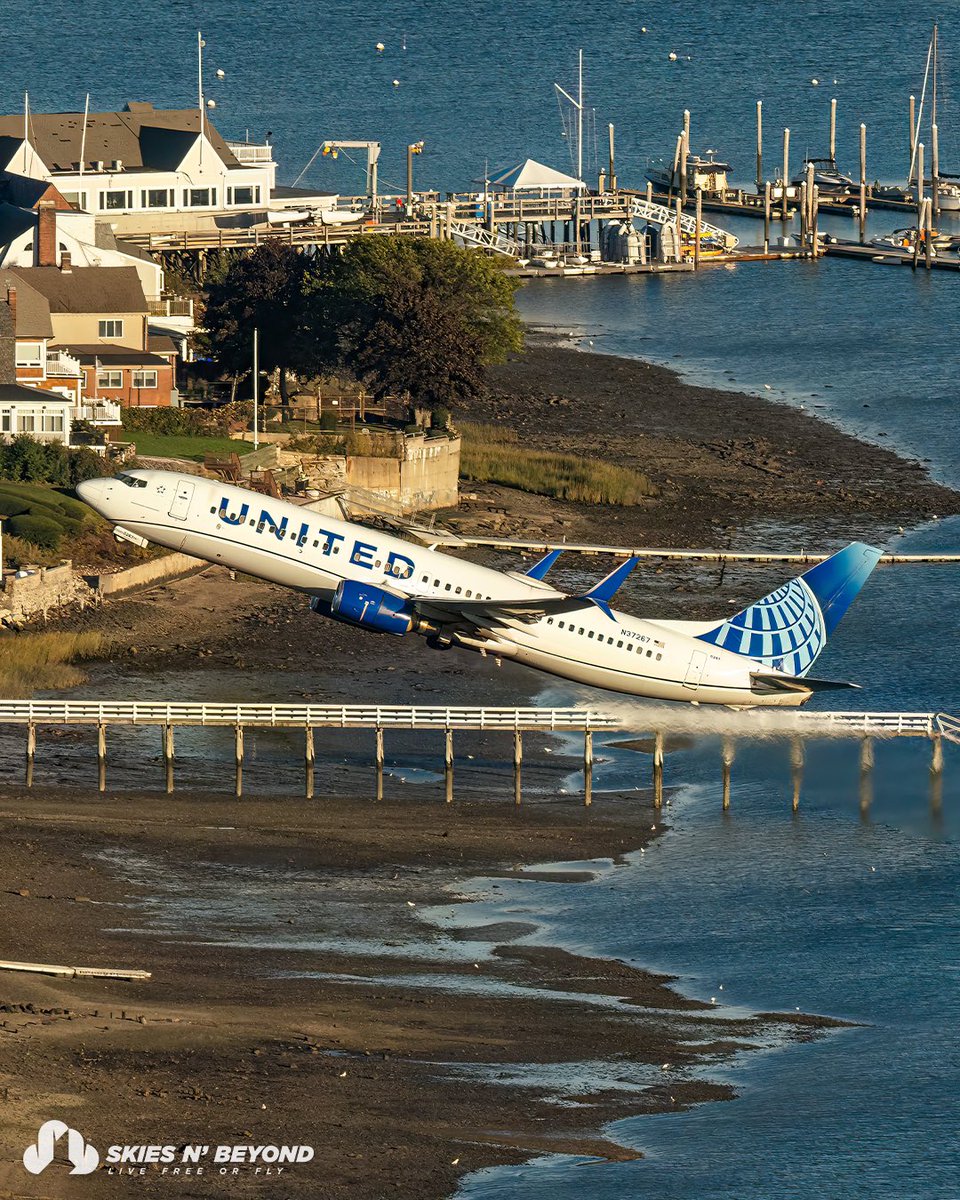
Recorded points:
(382, 583)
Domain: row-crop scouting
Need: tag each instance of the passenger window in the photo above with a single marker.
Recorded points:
(630, 646)
(659, 656)
(590, 634)
(458, 590)
(252, 521)
(424, 579)
(468, 592)
(581, 631)
(649, 654)
(436, 583)
(213, 509)
(446, 587)
(619, 645)
(561, 624)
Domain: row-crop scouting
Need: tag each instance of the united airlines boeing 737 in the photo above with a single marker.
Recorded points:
(382, 583)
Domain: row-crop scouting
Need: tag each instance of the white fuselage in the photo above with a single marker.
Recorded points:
(298, 548)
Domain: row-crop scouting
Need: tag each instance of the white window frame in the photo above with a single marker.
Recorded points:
(23, 361)
(127, 200)
(51, 422)
(145, 198)
(23, 418)
(140, 376)
(104, 378)
(210, 202)
(5, 422)
(252, 188)
(111, 323)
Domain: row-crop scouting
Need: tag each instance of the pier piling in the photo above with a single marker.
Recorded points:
(759, 146)
(727, 755)
(167, 740)
(863, 183)
(936, 757)
(587, 769)
(928, 233)
(658, 769)
(309, 757)
(448, 766)
(796, 770)
(766, 217)
(379, 762)
(238, 755)
(786, 172)
(101, 757)
(31, 751)
(833, 130)
(866, 774)
(698, 227)
(517, 766)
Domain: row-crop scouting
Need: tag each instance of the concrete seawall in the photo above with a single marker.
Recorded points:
(170, 566)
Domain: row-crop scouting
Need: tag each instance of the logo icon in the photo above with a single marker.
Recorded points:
(39, 1156)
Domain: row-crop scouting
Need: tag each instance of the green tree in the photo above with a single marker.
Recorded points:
(263, 290)
(414, 315)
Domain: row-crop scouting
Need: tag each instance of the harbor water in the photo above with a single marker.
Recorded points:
(850, 908)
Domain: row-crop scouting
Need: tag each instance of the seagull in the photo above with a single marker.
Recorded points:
(672, 56)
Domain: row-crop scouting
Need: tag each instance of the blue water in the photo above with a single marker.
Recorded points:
(783, 912)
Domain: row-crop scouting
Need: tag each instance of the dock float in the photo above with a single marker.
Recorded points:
(794, 726)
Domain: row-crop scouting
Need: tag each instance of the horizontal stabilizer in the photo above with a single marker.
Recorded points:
(539, 569)
(762, 682)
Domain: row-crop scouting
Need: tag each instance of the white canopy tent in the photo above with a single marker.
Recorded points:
(532, 176)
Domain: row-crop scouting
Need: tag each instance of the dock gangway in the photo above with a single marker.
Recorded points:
(659, 214)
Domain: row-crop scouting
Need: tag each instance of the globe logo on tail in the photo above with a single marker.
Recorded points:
(38, 1156)
(784, 630)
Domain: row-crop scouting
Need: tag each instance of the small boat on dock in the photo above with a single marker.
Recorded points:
(708, 174)
(828, 177)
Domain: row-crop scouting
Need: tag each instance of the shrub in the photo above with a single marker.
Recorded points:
(328, 421)
(42, 531)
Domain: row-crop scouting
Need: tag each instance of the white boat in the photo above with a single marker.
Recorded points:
(707, 174)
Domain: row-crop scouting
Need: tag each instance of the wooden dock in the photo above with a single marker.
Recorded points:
(661, 721)
(891, 256)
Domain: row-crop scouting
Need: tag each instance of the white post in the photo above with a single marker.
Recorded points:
(256, 380)
(83, 137)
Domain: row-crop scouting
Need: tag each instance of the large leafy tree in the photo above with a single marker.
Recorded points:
(263, 290)
(415, 315)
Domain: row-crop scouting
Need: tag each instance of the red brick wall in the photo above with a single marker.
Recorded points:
(128, 395)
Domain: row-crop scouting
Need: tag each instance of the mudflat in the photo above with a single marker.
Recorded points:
(297, 994)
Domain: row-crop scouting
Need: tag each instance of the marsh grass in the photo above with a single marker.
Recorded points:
(36, 662)
(489, 454)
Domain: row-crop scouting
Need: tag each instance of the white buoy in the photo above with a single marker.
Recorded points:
(396, 83)
(211, 104)
(815, 82)
(221, 74)
(643, 29)
(672, 56)
(380, 47)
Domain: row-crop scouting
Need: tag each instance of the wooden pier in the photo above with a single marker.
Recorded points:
(793, 726)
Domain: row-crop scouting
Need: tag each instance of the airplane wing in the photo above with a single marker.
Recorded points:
(530, 608)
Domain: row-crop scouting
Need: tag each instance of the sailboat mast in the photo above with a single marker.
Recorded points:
(580, 119)
(916, 129)
(933, 108)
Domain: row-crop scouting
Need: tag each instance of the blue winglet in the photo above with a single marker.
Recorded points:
(539, 569)
(607, 588)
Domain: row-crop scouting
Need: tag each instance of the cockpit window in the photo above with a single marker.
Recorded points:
(131, 480)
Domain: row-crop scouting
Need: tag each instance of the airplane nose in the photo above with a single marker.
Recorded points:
(93, 492)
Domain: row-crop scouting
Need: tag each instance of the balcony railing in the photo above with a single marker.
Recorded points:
(171, 306)
(60, 364)
(249, 152)
(98, 412)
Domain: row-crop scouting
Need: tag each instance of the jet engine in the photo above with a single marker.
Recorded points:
(369, 607)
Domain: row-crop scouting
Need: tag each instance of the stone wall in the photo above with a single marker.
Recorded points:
(44, 589)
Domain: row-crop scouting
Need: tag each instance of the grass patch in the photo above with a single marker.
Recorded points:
(41, 517)
(159, 445)
(489, 454)
(35, 662)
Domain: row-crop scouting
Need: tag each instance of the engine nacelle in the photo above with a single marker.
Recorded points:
(369, 607)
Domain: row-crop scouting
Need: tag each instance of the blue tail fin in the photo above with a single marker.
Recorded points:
(543, 565)
(787, 629)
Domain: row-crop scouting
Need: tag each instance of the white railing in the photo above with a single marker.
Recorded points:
(753, 723)
(297, 716)
(250, 152)
(98, 412)
(171, 306)
(60, 364)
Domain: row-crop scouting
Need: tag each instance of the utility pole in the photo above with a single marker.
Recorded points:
(256, 387)
(200, 45)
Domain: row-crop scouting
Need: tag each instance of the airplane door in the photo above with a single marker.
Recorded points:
(180, 505)
(698, 660)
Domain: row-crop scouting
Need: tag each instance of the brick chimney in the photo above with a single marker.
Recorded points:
(66, 262)
(8, 339)
(46, 234)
